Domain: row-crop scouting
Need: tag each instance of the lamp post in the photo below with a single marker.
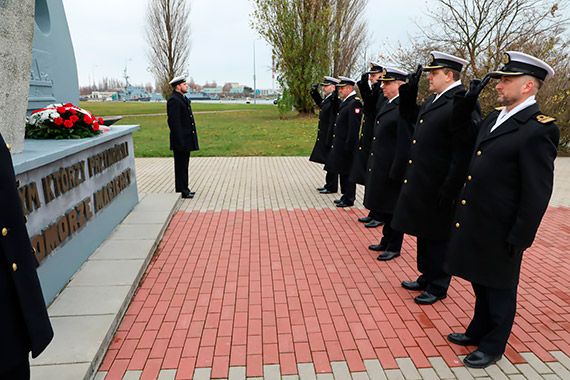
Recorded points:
(254, 81)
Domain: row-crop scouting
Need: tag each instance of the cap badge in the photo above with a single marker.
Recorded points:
(507, 58)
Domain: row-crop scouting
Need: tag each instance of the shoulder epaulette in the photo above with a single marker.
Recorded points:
(499, 108)
(544, 119)
(357, 98)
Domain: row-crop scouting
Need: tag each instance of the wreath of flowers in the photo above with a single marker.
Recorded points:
(62, 121)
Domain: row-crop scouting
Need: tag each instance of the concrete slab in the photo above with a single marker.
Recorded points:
(108, 272)
(76, 340)
(90, 300)
(60, 372)
(124, 250)
(136, 231)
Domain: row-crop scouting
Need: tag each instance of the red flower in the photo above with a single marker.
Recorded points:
(67, 124)
(58, 121)
(74, 118)
(72, 111)
(101, 121)
(95, 126)
(61, 110)
(68, 105)
(87, 119)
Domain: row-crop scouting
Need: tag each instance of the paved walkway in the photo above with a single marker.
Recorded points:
(252, 279)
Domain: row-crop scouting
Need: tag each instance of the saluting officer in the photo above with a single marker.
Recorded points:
(23, 315)
(327, 114)
(345, 140)
(373, 98)
(434, 176)
(183, 137)
(387, 165)
(506, 194)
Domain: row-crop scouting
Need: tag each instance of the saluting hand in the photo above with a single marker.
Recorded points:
(414, 77)
(314, 87)
(364, 78)
(475, 87)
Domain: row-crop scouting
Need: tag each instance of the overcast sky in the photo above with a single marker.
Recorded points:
(112, 37)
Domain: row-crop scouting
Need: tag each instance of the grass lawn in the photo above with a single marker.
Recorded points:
(255, 130)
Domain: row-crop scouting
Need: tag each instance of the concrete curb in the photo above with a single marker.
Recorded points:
(88, 311)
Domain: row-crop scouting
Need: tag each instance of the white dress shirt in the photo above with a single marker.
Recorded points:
(453, 85)
(504, 115)
(349, 95)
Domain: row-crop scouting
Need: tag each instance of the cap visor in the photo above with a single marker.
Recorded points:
(428, 68)
(497, 74)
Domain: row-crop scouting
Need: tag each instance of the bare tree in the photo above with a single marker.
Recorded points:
(168, 38)
(349, 36)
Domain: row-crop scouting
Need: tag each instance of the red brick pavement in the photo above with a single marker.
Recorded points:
(266, 287)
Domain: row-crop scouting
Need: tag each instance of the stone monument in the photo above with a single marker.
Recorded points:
(53, 71)
(16, 37)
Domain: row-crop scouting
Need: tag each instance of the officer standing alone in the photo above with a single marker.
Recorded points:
(508, 187)
(183, 137)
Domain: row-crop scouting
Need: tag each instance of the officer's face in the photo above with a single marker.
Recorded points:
(512, 90)
(328, 89)
(344, 91)
(438, 80)
(183, 87)
(373, 78)
(390, 88)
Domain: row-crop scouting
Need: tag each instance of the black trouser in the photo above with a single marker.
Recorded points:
(181, 160)
(331, 182)
(493, 318)
(431, 255)
(391, 238)
(376, 215)
(348, 189)
(19, 372)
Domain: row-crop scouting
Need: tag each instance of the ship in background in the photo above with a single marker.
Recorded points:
(131, 93)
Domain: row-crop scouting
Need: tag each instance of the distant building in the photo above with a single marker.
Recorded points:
(213, 91)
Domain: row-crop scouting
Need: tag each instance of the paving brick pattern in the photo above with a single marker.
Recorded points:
(291, 291)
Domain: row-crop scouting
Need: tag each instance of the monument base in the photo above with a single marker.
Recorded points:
(74, 192)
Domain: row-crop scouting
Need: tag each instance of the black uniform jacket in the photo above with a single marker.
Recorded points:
(373, 101)
(345, 136)
(181, 123)
(435, 171)
(385, 174)
(23, 315)
(328, 109)
(506, 193)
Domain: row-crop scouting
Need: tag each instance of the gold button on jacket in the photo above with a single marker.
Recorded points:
(14, 267)
(4, 231)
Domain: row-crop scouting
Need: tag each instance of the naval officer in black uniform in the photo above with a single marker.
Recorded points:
(435, 173)
(327, 114)
(183, 137)
(373, 98)
(506, 193)
(23, 315)
(387, 164)
(345, 140)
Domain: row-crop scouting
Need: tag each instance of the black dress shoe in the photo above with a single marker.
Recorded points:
(377, 247)
(321, 188)
(462, 339)
(478, 359)
(187, 195)
(388, 255)
(344, 204)
(325, 191)
(373, 224)
(365, 219)
(427, 298)
(412, 285)
(337, 201)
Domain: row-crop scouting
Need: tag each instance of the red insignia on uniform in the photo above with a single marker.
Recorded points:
(357, 110)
